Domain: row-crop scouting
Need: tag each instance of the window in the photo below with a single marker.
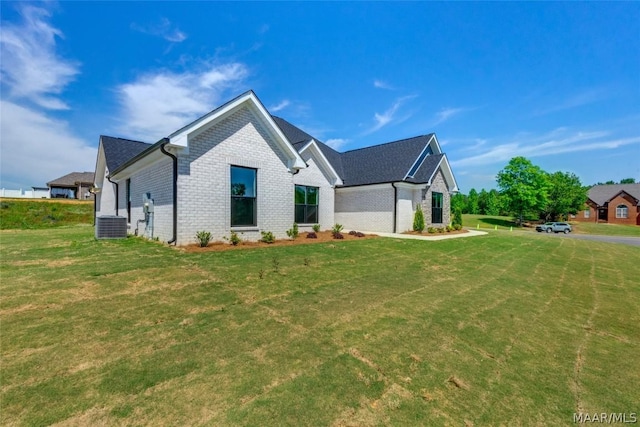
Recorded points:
(243, 197)
(128, 196)
(436, 208)
(622, 211)
(306, 199)
(587, 213)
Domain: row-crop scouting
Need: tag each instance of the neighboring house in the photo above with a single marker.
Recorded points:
(240, 169)
(76, 185)
(615, 203)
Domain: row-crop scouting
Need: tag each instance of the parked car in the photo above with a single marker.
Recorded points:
(556, 227)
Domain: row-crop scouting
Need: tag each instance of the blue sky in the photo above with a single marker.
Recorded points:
(558, 83)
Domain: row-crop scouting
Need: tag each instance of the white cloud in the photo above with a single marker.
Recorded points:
(163, 29)
(558, 141)
(388, 116)
(379, 84)
(159, 103)
(336, 143)
(445, 114)
(37, 148)
(281, 106)
(588, 96)
(30, 66)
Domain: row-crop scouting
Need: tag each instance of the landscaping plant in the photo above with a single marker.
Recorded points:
(418, 220)
(203, 238)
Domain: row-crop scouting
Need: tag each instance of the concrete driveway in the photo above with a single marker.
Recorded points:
(633, 241)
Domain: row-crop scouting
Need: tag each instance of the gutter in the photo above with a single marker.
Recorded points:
(165, 141)
(395, 207)
(117, 193)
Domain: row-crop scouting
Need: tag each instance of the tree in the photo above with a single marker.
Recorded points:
(523, 186)
(472, 202)
(628, 181)
(457, 217)
(459, 201)
(566, 195)
(492, 204)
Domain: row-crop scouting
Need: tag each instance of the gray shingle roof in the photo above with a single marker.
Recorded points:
(603, 193)
(72, 179)
(117, 151)
(388, 162)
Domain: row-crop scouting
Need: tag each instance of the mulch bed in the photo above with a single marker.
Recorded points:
(323, 237)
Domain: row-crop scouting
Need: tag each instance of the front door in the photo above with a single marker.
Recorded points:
(602, 214)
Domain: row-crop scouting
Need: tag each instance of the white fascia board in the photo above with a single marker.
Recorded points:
(448, 174)
(363, 187)
(181, 137)
(435, 145)
(410, 186)
(151, 158)
(101, 168)
(316, 152)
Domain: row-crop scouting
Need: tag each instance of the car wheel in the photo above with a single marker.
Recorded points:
(566, 231)
(548, 230)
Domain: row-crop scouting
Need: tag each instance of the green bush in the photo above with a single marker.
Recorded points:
(316, 228)
(337, 228)
(267, 237)
(203, 238)
(234, 239)
(440, 229)
(431, 230)
(293, 232)
(457, 217)
(418, 220)
(457, 227)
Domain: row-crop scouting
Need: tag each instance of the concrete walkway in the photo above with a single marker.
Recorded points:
(426, 236)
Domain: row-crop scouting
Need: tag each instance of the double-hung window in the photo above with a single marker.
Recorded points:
(243, 197)
(436, 208)
(306, 200)
(622, 211)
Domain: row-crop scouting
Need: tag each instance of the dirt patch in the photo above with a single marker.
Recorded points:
(322, 237)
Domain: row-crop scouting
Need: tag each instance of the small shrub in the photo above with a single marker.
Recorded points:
(338, 236)
(293, 232)
(312, 235)
(352, 233)
(276, 264)
(203, 238)
(234, 239)
(316, 228)
(449, 228)
(440, 230)
(337, 228)
(267, 237)
(457, 227)
(418, 220)
(359, 234)
(431, 230)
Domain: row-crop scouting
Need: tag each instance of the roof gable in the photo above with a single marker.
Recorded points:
(72, 179)
(118, 151)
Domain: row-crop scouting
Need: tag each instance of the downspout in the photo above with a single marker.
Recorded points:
(175, 190)
(117, 193)
(395, 206)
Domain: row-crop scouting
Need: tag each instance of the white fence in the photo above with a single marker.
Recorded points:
(25, 194)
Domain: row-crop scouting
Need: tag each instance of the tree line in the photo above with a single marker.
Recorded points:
(527, 191)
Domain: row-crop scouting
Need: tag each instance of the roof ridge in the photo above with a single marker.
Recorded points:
(388, 143)
(125, 139)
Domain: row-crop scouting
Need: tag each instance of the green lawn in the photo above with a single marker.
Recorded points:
(44, 213)
(506, 223)
(503, 329)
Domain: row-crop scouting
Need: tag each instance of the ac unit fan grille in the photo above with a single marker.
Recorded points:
(111, 227)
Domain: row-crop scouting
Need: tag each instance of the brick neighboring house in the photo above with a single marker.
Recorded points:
(75, 185)
(238, 168)
(614, 203)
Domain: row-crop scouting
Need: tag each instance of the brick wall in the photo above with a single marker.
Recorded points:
(592, 215)
(204, 175)
(632, 210)
(367, 208)
(438, 184)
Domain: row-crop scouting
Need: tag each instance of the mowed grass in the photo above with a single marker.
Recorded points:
(503, 329)
(44, 213)
(579, 227)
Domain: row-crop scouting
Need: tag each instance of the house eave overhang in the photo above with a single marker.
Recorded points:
(181, 138)
(314, 149)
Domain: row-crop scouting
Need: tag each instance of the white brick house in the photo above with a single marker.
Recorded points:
(240, 169)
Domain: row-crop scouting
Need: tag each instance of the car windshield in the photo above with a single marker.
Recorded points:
(549, 223)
